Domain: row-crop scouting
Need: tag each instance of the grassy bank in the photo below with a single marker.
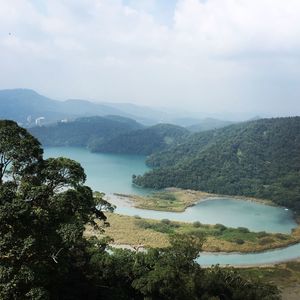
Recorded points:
(177, 200)
(152, 233)
(285, 275)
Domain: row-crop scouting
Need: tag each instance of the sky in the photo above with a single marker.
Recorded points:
(199, 55)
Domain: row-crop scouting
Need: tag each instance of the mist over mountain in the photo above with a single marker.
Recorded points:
(25, 106)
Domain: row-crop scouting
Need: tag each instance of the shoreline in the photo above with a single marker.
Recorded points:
(133, 200)
(128, 201)
(141, 248)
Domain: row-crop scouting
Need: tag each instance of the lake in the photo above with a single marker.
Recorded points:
(111, 173)
(108, 173)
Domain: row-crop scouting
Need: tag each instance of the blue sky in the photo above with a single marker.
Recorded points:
(210, 56)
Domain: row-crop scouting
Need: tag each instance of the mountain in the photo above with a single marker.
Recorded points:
(144, 141)
(257, 158)
(25, 106)
(20, 104)
(208, 124)
(84, 132)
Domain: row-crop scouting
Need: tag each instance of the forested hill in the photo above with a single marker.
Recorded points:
(84, 132)
(208, 124)
(144, 141)
(258, 158)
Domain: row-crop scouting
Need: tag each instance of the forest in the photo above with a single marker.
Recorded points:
(144, 141)
(257, 158)
(84, 132)
(44, 207)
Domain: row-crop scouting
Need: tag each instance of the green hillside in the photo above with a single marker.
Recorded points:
(84, 132)
(258, 158)
(144, 141)
(208, 124)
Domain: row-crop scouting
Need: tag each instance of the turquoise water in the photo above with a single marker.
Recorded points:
(112, 173)
(226, 211)
(109, 173)
(267, 257)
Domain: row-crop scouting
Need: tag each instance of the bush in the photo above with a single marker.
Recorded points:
(143, 224)
(239, 241)
(137, 217)
(197, 224)
(220, 227)
(166, 221)
(243, 229)
(261, 234)
(197, 233)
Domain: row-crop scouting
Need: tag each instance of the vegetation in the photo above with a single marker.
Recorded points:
(285, 275)
(44, 206)
(208, 124)
(257, 159)
(126, 230)
(168, 200)
(144, 141)
(84, 132)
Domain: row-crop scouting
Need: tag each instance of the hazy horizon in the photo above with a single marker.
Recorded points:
(206, 56)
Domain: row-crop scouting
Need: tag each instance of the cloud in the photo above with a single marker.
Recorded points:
(210, 55)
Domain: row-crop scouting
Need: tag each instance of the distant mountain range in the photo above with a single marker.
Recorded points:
(27, 107)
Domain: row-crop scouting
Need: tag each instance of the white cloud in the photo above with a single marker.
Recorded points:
(216, 54)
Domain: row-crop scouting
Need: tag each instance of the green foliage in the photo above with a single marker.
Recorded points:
(258, 159)
(144, 141)
(20, 153)
(172, 273)
(243, 229)
(84, 132)
(197, 224)
(165, 226)
(43, 209)
(239, 241)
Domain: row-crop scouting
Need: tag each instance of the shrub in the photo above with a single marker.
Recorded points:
(166, 221)
(197, 224)
(261, 234)
(243, 229)
(239, 241)
(197, 233)
(220, 227)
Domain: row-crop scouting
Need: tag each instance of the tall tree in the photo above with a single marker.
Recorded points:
(20, 152)
(44, 207)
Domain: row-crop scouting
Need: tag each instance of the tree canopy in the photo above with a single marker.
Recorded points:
(258, 158)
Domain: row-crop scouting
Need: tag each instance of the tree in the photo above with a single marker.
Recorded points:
(44, 207)
(20, 152)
